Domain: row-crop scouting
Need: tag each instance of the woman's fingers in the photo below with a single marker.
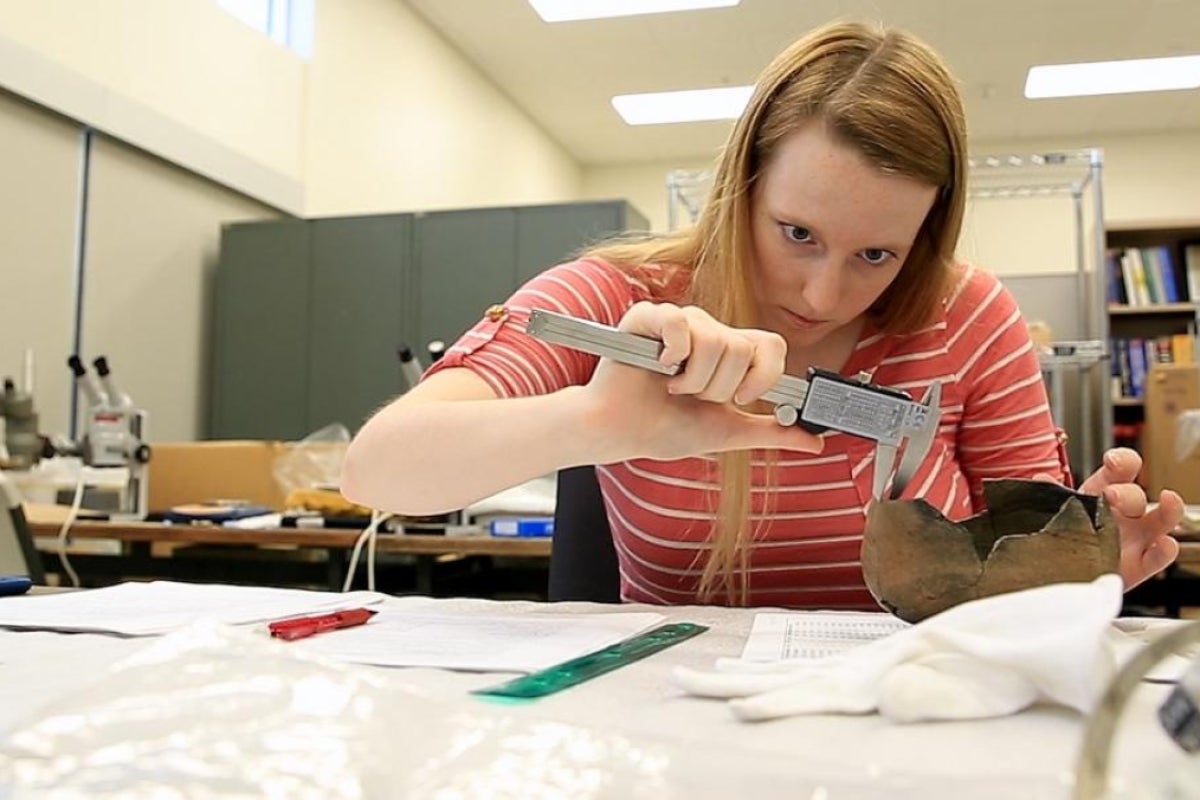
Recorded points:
(1126, 499)
(747, 431)
(723, 368)
(737, 358)
(675, 333)
(1147, 547)
(1159, 555)
(663, 321)
(720, 357)
(1120, 465)
(770, 356)
(708, 350)
(720, 364)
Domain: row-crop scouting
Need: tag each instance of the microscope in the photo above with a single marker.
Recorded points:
(113, 437)
(22, 442)
(25, 446)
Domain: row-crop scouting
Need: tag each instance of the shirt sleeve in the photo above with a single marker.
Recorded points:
(1007, 430)
(515, 364)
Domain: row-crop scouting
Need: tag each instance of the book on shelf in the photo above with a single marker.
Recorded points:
(1134, 357)
(1147, 276)
(1117, 292)
(1183, 349)
(1165, 258)
(1154, 280)
(1191, 262)
(1122, 372)
(1138, 367)
(1135, 281)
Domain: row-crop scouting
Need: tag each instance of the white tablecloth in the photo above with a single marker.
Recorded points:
(702, 750)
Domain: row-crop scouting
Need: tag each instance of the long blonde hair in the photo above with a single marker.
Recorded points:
(884, 93)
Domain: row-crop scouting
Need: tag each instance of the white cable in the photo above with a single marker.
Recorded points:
(368, 535)
(371, 552)
(353, 565)
(72, 513)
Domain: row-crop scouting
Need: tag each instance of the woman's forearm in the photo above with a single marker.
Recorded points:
(426, 456)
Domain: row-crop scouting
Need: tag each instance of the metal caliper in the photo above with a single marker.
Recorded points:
(824, 401)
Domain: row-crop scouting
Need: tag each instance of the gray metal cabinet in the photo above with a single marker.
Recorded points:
(260, 336)
(468, 260)
(309, 317)
(310, 313)
(465, 262)
(359, 316)
(549, 235)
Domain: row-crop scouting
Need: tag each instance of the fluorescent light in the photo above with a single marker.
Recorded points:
(567, 10)
(694, 105)
(1113, 77)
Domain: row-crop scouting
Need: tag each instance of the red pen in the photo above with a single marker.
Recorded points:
(302, 627)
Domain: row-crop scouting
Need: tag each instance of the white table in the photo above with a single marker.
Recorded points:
(644, 738)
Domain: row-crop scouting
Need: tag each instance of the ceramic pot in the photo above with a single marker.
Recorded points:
(917, 562)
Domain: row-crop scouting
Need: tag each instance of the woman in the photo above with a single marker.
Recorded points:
(828, 241)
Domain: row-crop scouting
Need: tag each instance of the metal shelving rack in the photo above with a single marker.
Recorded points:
(686, 190)
(1076, 174)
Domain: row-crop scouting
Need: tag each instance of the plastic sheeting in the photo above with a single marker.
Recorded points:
(218, 712)
(214, 711)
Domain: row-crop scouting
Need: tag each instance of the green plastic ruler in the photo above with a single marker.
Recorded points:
(577, 670)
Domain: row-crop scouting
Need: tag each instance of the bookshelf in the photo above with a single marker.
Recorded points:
(1153, 303)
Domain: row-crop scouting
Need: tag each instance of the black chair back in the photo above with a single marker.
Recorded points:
(18, 556)
(583, 560)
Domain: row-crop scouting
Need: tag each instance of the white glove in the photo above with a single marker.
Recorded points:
(985, 658)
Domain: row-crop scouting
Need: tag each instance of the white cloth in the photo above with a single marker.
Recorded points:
(985, 658)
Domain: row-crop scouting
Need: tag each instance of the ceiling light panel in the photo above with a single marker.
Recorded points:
(569, 10)
(694, 105)
(1113, 77)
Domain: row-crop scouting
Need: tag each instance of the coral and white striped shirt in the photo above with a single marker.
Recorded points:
(995, 422)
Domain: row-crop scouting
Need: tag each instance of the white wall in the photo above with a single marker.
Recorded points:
(39, 153)
(151, 250)
(397, 120)
(644, 185)
(386, 117)
(1151, 179)
(181, 79)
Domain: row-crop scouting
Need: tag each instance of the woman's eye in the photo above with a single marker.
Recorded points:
(875, 256)
(796, 233)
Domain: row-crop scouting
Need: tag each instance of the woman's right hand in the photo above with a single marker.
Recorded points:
(638, 413)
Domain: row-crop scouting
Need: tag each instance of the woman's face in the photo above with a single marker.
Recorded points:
(830, 233)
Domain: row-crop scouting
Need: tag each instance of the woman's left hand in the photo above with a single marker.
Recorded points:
(1147, 547)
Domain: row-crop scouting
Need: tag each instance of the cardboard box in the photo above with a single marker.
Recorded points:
(1171, 389)
(195, 472)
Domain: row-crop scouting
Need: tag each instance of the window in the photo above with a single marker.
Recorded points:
(289, 22)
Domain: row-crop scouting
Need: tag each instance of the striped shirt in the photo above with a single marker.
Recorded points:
(805, 552)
